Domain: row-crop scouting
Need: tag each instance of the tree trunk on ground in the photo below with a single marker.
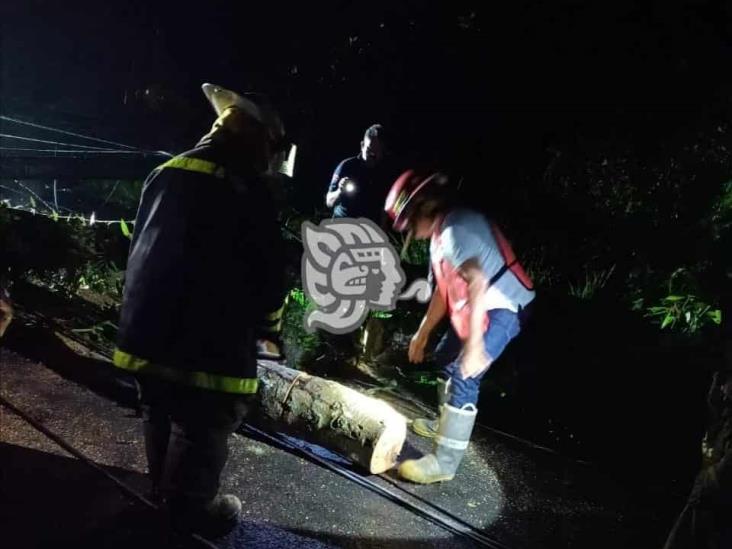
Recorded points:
(366, 430)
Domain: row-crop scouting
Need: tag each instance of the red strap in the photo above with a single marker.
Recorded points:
(509, 258)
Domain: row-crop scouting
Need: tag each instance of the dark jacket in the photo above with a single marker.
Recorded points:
(205, 266)
(371, 187)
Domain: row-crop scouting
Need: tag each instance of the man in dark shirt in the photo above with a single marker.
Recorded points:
(359, 184)
(358, 189)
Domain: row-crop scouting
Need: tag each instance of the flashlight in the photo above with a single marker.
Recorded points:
(349, 187)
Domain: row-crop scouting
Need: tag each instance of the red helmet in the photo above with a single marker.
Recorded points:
(400, 201)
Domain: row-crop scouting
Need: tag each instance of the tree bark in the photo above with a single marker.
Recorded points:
(366, 430)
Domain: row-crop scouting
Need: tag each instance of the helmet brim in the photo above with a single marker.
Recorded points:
(221, 99)
(401, 220)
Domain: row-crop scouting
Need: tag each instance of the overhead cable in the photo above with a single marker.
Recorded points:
(68, 151)
(65, 132)
(126, 488)
(34, 140)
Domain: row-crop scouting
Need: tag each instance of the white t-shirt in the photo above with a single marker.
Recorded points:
(465, 235)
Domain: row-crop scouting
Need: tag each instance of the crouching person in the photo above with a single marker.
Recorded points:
(204, 269)
(485, 292)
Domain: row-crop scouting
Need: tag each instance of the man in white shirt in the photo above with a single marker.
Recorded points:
(485, 292)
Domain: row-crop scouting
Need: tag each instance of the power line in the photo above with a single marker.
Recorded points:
(54, 151)
(65, 132)
(123, 486)
(9, 136)
(76, 216)
(429, 512)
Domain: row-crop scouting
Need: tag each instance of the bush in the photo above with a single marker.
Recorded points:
(63, 254)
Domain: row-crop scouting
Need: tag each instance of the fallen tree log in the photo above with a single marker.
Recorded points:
(366, 430)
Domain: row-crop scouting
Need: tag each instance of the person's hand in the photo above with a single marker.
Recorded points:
(343, 185)
(416, 347)
(473, 362)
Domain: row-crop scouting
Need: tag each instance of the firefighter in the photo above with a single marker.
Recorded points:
(485, 292)
(204, 274)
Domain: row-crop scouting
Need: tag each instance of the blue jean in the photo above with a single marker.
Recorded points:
(503, 327)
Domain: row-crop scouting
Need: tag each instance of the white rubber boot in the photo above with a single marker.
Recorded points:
(451, 442)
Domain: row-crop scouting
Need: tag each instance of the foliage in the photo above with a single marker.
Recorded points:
(125, 229)
(418, 252)
(101, 276)
(681, 310)
(687, 313)
(297, 341)
(65, 254)
(542, 271)
(721, 217)
(298, 296)
(593, 282)
(421, 377)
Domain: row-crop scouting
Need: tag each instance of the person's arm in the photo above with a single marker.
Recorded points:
(332, 197)
(435, 312)
(461, 247)
(335, 188)
(474, 358)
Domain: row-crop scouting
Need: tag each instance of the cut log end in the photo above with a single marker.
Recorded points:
(387, 448)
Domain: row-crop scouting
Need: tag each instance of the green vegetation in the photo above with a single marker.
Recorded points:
(297, 341)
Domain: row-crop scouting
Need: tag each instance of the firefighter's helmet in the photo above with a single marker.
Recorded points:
(408, 191)
(259, 108)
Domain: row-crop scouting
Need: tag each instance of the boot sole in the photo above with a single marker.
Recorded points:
(430, 480)
(423, 433)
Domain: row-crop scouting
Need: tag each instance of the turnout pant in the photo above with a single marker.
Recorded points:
(186, 439)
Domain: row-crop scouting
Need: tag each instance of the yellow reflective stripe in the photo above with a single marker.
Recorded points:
(194, 165)
(203, 380)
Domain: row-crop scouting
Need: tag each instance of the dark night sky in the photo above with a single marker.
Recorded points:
(457, 80)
